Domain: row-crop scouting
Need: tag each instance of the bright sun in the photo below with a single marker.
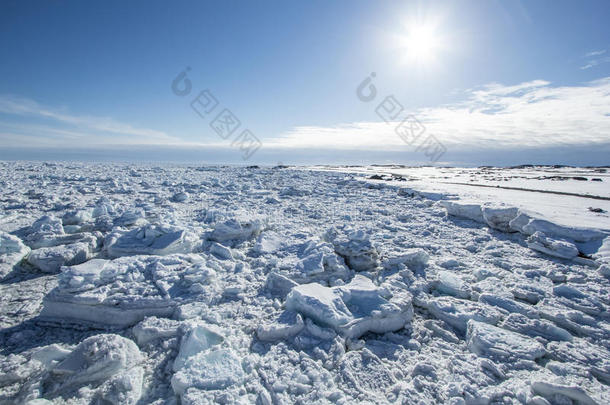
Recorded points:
(421, 42)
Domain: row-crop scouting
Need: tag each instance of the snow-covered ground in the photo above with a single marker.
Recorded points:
(133, 284)
(564, 195)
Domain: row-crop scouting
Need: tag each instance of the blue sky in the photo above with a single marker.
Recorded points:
(501, 82)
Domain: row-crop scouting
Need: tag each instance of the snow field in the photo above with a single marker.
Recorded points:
(194, 285)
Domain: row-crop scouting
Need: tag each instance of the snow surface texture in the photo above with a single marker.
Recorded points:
(133, 284)
(570, 196)
(12, 251)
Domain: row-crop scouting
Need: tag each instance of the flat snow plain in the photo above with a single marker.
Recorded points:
(137, 284)
(557, 193)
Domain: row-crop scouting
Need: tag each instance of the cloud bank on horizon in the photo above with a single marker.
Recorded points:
(59, 128)
(494, 116)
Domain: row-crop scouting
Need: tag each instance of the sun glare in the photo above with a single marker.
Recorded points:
(422, 42)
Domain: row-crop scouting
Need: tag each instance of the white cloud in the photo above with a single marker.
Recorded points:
(595, 53)
(531, 114)
(594, 60)
(89, 129)
(494, 116)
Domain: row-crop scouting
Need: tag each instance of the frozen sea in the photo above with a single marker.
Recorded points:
(191, 284)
